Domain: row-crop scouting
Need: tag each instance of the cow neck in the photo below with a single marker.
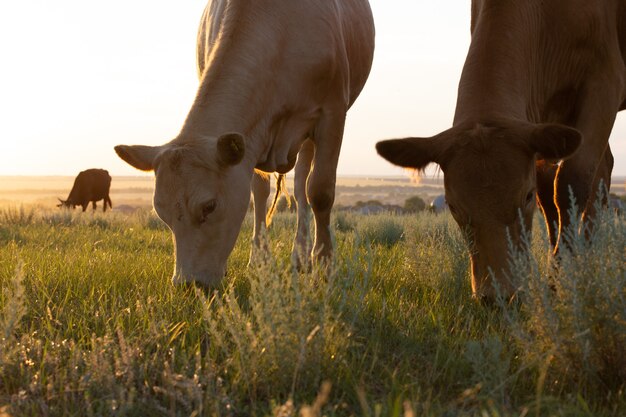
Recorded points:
(234, 96)
(495, 82)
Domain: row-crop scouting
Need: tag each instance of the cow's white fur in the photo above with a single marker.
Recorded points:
(278, 72)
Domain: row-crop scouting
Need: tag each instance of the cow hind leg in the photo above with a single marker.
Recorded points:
(302, 240)
(599, 193)
(260, 192)
(322, 179)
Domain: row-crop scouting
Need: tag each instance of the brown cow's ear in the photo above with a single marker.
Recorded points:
(414, 153)
(230, 148)
(140, 156)
(554, 142)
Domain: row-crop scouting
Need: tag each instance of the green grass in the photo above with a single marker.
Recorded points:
(90, 324)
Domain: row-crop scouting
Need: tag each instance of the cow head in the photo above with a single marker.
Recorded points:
(65, 204)
(490, 185)
(202, 193)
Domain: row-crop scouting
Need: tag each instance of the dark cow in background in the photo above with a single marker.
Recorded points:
(542, 83)
(89, 186)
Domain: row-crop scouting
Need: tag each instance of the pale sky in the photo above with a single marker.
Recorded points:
(78, 77)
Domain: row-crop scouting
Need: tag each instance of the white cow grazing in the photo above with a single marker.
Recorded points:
(277, 78)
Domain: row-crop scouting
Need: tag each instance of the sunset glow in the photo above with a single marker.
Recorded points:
(80, 77)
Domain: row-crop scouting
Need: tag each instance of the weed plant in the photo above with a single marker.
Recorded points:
(287, 336)
(571, 321)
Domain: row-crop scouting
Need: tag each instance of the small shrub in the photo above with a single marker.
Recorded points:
(572, 320)
(344, 222)
(360, 204)
(414, 204)
(284, 336)
(384, 230)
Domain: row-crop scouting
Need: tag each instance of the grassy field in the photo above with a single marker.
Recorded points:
(90, 324)
(136, 191)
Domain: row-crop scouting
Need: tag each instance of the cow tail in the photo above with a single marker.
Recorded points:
(108, 200)
(281, 188)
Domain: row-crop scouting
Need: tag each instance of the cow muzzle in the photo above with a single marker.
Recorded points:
(490, 279)
(204, 278)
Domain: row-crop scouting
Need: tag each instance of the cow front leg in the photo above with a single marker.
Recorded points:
(260, 192)
(546, 174)
(592, 163)
(302, 241)
(321, 183)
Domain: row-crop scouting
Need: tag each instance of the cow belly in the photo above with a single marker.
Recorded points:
(284, 164)
(286, 136)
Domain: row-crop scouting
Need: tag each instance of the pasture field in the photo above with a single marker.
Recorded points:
(90, 324)
(132, 192)
(136, 191)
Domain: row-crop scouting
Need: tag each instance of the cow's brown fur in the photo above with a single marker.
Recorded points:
(545, 77)
(91, 185)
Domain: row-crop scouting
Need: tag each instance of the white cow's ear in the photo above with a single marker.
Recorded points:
(140, 156)
(230, 148)
(554, 142)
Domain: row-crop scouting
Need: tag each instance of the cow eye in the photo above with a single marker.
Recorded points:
(208, 208)
(530, 196)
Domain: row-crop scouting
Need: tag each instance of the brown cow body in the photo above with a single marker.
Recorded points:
(543, 81)
(91, 185)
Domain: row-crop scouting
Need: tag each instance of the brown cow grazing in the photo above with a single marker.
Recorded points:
(277, 79)
(542, 82)
(89, 186)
